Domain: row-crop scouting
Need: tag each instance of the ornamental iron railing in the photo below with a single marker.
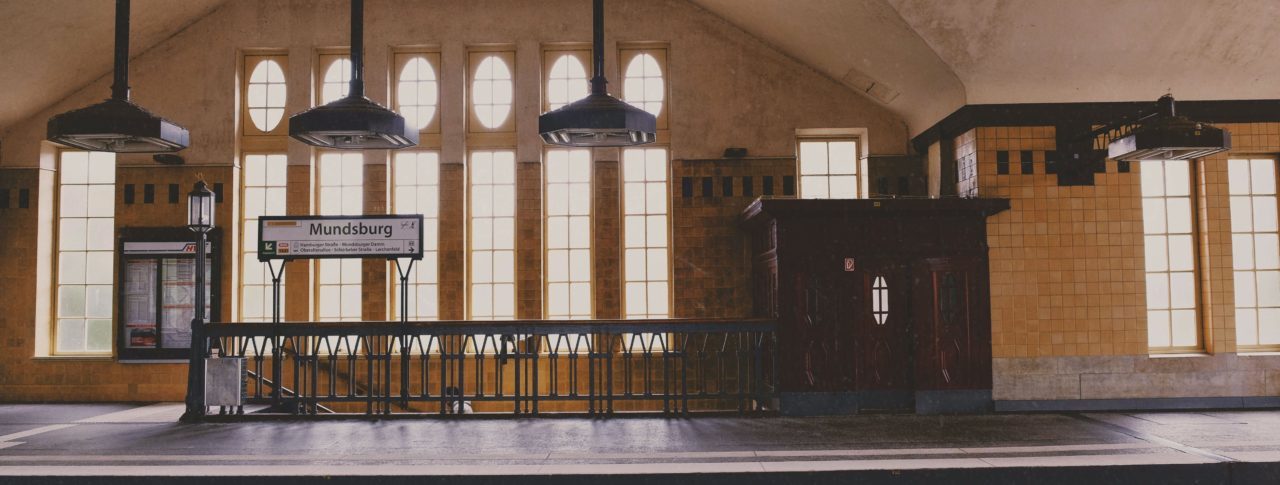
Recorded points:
(525, 367)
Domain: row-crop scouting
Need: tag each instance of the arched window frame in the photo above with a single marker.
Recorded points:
(504, 134)
(429, 135)
(628, 52)
(551, 55)
(250, 63)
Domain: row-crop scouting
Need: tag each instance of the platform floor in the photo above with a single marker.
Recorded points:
(121, 443)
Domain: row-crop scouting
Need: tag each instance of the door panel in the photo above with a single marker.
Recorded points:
(953, 340)
(882, 320)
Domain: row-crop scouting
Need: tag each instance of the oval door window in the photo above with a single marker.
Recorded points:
(880, 300)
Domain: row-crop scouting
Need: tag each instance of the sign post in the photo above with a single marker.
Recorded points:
(285, 238)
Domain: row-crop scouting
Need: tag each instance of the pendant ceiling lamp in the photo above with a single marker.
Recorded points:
(598, 120)
(1164, 135)
(117, 125)
(354, 122)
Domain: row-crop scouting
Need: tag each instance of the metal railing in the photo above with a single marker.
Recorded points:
(519, 367)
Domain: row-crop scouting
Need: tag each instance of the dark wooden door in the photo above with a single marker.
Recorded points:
(953, 338)
(883, 321)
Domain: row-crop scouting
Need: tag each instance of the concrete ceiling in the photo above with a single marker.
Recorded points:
(52, 48)
(938, 55)
(923, 59)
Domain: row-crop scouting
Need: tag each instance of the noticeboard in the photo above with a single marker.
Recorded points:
(314, 237)
(156, 297)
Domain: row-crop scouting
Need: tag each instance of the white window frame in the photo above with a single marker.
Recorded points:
(1252, 184)
(1164, 309)
(103, 270)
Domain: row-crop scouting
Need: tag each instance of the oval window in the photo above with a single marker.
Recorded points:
(880, 300)
(567, 82)
(337, 81)
(418, 92)
(266, 95)
(642, 84)
(491, 92)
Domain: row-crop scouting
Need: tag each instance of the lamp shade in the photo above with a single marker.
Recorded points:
(200, 208)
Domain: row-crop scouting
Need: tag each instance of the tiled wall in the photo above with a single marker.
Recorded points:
(710, 253)
(1068, 285)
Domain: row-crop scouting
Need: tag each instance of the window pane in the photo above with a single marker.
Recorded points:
(71, 337)
(1157, 291)
(1267, 251)
(1158, 332)
(1241, 214)
(1264, 214)
(844, 157)
(1153, 216)
(1263, 177)
(813, 158)
(1181, 254)
(1184, 328)
(1247, 327)
(1245, 295)
(1157, 253)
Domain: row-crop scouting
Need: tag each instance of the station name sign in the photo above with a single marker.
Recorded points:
(311, 237)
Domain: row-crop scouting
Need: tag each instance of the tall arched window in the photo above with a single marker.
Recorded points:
(266, 95)
(337, 81)
(492, 92)
(418, 92)
(642, 84)
(567, 81)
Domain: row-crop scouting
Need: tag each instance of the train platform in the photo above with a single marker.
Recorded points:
(144, 443)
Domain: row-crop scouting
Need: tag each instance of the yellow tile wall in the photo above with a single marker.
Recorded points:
(1067, 263)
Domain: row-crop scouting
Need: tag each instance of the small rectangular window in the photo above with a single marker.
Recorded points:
(767, 185)
(829, 169)
(646, 266)
(1002, 162)
(263, 194)
(1028, 167)
(341, 193)
(1255, 242)
(748, 187)
(416, 190)
(1168, 220)
(492, 178)
(726, 186)
(86, 246)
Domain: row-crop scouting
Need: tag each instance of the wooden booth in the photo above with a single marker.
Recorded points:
(882, 304)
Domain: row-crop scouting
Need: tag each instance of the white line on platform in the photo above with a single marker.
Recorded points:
(33, 432)
(1252, 456)
(11, 443)
(165, 412)
(1161, 458)
(1062, 448)
(1171, 457)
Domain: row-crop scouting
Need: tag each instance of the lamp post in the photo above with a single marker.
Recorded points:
(199, 220)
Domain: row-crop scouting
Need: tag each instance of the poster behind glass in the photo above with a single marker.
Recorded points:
(140, 304)
(178, 303)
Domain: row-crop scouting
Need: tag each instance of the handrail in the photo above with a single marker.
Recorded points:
(513, 366)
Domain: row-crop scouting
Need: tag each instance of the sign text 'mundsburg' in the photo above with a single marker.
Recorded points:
(304, 237)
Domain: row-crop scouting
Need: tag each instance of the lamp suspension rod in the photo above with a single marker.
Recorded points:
(357, 48)
(597, 48)
(120, 81)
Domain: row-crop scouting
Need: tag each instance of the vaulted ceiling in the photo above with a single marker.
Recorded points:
(922, 59)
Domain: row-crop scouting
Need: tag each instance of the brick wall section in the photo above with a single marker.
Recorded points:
(606, 244)
(453, 247)
(711, 264)
(529, 240)
(374, 283)
(297, 288)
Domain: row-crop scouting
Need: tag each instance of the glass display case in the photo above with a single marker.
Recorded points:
(157, 293)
